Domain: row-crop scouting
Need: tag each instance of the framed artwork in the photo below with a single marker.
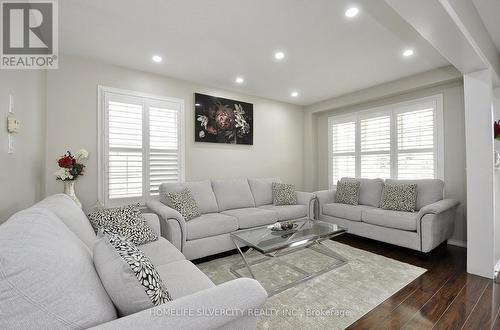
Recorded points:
(220, 120)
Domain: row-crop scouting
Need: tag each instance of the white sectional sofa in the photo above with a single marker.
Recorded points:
(48, 279)
(226, 206)
(423, 230)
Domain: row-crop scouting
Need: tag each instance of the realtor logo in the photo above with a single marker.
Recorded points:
(29, 35)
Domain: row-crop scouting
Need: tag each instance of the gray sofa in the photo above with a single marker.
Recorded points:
(423, 230)
(226, 206)
(48, 279)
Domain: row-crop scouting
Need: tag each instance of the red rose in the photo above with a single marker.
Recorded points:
(65, 162)
(496, 130)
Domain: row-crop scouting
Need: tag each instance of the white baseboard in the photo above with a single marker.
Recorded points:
(457, 243)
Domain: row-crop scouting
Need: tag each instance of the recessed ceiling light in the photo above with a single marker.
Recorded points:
(239, 80)
(279, 55)
(157, 59)
(294, 94)
(408, 52)
(351, 12)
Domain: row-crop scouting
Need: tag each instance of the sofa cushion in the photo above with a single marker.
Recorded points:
(210, 224)
(184, 278)
(370, 190)
(287, 212)
(428, 190)
(284, 194)
(347, 192)
(232, 194)
(399, 197)
(47, 277)
(391, 219)
(161, 252)
(126, 221)
(253, 217)
(184, 203)
(72, 216)
(128, 275)
(262, 190)
(345, 211)
(201, 190)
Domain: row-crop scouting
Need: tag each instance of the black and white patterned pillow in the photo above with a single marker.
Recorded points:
(184, 203)
(143, 269)
(347, 192)
(284, 194)
(399, 197)
(126, 221)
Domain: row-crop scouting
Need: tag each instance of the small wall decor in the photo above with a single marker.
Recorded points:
(221, 120)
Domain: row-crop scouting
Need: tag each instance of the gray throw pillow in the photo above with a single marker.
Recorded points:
(126, 221)
(129, 277)
(347, 192)
(399, 197)
(184, 203)
(284, 194)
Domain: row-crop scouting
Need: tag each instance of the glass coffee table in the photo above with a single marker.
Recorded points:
(272, 245)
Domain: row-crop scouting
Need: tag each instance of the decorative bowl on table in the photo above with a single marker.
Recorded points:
(283, 227)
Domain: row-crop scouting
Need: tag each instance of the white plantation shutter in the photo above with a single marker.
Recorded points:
(140, 146)
(375, 147)
(124, 165)
(342, 147)
(163, 146)
(396, 141)
(416, 147)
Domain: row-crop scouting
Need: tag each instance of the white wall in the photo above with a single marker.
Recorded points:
(21, 172)
(72, 124)
(480, 173)
(454, 144)
(496, 114)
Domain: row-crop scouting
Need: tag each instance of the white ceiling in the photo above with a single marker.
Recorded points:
(212, 42)
(489, 10)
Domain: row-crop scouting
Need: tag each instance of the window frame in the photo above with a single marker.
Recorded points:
(102, 143)
(436, 101)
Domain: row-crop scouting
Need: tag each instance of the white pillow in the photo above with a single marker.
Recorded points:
(127, 274)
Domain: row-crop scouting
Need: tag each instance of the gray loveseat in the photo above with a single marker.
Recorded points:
(48, 279)
(423, 230)
(226, 206)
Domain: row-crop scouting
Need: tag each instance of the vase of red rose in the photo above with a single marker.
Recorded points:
(70, 168)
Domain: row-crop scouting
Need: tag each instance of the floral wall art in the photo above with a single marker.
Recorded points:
(221, 120)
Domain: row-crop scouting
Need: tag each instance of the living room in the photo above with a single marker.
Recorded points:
(267, 164)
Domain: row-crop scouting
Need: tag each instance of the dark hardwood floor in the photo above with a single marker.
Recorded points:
(445, 297)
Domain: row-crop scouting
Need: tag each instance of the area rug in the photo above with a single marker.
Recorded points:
(333, 300)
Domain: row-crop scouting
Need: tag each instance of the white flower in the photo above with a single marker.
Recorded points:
(203, 120)
(241, 123)
(63, 174)
(82, 155)
(202, 134)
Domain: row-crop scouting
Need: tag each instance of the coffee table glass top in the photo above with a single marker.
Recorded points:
(265, 240)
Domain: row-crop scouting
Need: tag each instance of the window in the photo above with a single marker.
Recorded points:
(140, 145)
(402, 141)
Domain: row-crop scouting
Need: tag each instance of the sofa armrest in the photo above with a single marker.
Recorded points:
(438, 207)
(436, 223)
(324, 197)
(153, 221)
(172, 223)
(306, 198)
(231, 305)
